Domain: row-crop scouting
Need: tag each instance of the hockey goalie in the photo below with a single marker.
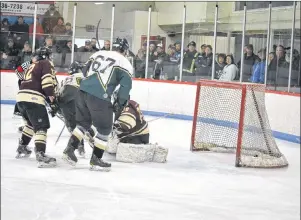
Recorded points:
(130, 137)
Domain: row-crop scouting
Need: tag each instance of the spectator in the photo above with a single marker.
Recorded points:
(107, 45)
(25, 54)
(9, 57)
(230, 71)
(59, 28)
(279, 60)
(178, 50)
(189, 60)
(50, 19)
(20, 32)
(203, 49)
(140, 63)
(4, 33)
(296, 60)
(171, 53)
(152, 50)
(258, 73)
(49, 41)
(4, 25)
(161, 56)
(203, 63)
(94, 44)
(69, 31)
(87, 47)
(67, 49)
(249, 60)
(39, 34)
(219, 65)
(272, 56)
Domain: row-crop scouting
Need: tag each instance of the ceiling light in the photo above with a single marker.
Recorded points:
(99, 3)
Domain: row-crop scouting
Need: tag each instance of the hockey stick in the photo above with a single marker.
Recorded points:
(161, 117)
(58, 138)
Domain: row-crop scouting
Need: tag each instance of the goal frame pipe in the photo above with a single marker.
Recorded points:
(214, 42)
(268, 45)
(112, 27)
(195, 115)
(182, 43)
(73, 32)
(33, 49)
(148, 40)
(241, 125)
(292, 48)
(242, 57)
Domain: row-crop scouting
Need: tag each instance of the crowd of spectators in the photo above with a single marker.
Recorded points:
(16, 42)
(197, 64)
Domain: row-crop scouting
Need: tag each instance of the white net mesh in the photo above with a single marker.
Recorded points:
(217, 119)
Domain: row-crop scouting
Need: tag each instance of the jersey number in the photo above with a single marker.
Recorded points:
(28, 73)
(100, 64)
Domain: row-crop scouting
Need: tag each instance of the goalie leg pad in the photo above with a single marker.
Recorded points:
(135, 153)
(113, 142)
(160, 155)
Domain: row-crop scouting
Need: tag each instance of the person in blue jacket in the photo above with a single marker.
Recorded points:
(258, 72)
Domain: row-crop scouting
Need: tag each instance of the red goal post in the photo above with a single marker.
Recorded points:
(231, 117)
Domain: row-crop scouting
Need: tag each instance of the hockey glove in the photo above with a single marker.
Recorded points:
(118, 108)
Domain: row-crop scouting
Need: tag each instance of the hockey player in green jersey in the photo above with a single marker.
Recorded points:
(104, 72)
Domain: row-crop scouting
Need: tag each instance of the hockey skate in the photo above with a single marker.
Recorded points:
(69, 156)
(45, 161)
(23, 151)
(97, 164)
(81, 150)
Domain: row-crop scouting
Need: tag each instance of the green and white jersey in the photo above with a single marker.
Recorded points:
(108, 69)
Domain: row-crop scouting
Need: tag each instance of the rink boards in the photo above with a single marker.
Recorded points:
(159, 98)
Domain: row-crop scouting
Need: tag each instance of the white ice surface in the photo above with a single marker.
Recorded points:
(190, 186)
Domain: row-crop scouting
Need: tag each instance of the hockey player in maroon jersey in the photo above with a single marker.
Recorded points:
(39, 83)
(130, 126)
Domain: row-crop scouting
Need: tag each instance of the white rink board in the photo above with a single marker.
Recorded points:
(159, 98)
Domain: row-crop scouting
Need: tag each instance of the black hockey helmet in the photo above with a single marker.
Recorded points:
(42, 53)
(120, 45)
(75, 67)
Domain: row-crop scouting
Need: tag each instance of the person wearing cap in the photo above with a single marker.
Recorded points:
(87, 47)
(25, 54)
(189, 60)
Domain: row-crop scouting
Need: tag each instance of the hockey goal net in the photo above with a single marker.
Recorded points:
(231, 118)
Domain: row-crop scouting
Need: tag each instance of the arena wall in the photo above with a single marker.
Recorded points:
(176, 100)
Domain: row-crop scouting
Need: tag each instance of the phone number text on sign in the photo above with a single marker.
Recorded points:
(22, 8)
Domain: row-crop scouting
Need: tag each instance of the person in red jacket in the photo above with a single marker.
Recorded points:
(39, 34)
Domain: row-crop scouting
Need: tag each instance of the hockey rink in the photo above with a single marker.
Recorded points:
(190, 186)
